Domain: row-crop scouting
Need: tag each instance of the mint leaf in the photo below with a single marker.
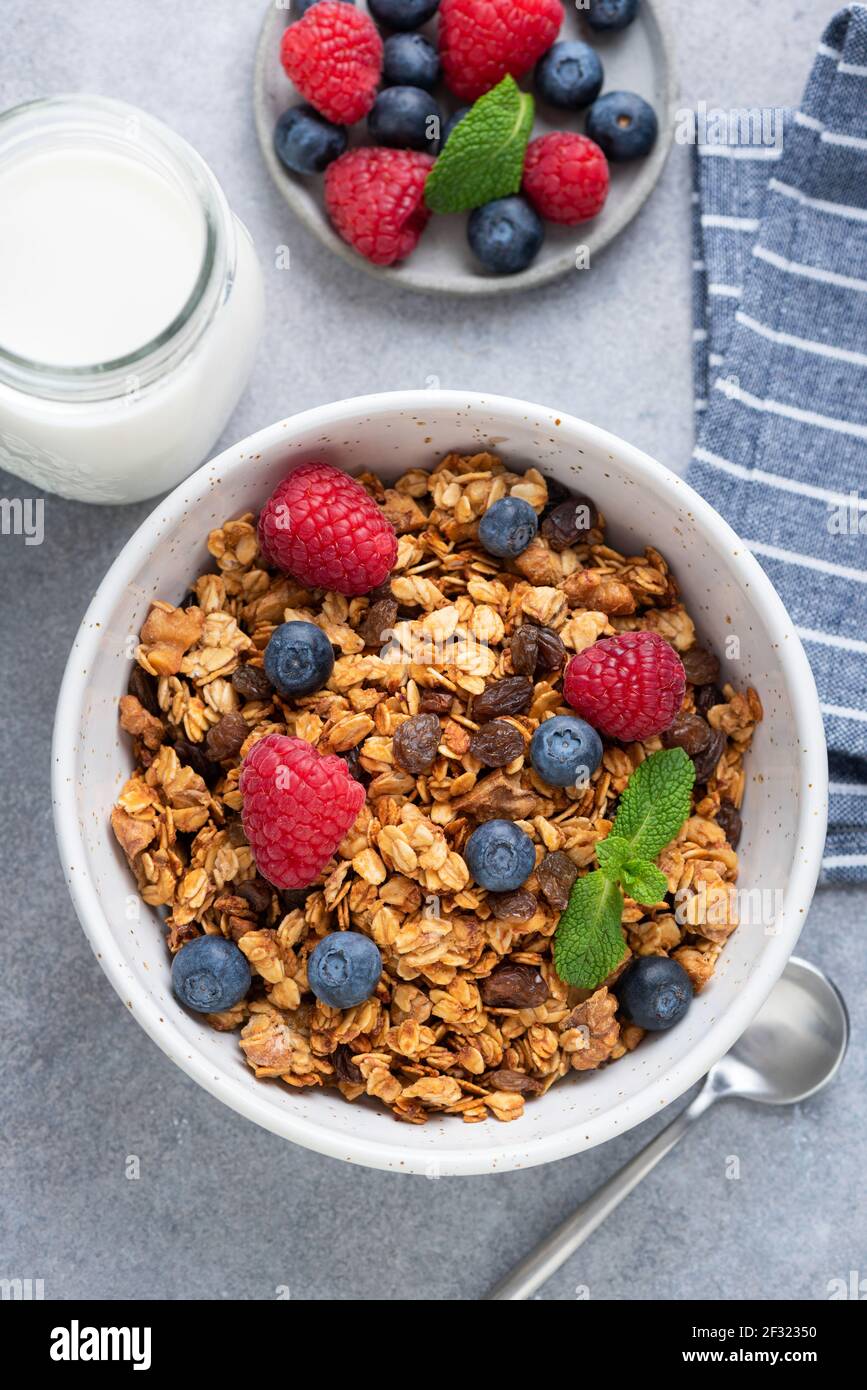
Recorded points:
(588, 943)
(484, 158)
(655, 802)
(613, 853)
(644, 882)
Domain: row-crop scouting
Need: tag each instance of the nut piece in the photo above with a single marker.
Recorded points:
(495, 797)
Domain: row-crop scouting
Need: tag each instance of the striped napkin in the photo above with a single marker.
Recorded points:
(780, 269)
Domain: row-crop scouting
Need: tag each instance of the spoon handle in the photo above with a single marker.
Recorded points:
(542, 1262)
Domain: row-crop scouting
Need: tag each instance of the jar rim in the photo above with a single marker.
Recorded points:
(120, 124)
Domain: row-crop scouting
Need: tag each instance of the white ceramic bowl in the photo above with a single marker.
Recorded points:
(727, 593)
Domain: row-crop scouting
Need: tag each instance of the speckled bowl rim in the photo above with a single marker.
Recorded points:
(243, 1096)
(406, 276)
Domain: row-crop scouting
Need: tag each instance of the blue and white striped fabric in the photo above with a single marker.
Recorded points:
(780, 248)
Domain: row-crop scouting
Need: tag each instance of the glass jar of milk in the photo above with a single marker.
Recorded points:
(131, 301)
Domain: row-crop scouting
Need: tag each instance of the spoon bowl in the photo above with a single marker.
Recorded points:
(794, 1045)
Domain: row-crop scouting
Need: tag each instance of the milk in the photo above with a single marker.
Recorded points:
(131, 301)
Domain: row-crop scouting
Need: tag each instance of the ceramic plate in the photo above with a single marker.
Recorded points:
(637, 59)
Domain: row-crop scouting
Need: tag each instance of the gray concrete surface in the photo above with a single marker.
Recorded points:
(222, 1209)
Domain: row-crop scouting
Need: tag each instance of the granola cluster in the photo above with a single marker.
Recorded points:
(469, 1017)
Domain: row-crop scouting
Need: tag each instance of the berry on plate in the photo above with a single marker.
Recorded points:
(500, 855)
(454, 119)
(333, 54)
(320, 526)
(343, 968)
(655, 992)
(565, 751)
(482, 40)
(403, 14)
(407, 118)
(298, 805)
(410, 61)
(570, 75)
(375, 199)
(605, 15)
(505, 235)
(305, 142)
(565, 177)
(623, 125)
(507, 527)
(298, 659)
(210, 974)
(629, 687)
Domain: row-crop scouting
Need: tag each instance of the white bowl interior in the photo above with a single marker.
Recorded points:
(727, 595)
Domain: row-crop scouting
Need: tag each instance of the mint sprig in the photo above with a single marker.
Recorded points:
(588, 944)
(484, 157)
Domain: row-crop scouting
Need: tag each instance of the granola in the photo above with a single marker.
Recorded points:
(469, 1017)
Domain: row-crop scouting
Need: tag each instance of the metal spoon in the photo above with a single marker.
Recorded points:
(793, 1047)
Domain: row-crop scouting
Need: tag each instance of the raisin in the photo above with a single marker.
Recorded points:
(144, 688)
(193, 755)
(380, 592)
(380, 619)
(257, 893)
(344, 1065)
(536, 649)
(225, 739)
(569, 523)
(707, 759)
(706, 696)
(497, 743)
(517, 906)
(556, 874)
(689, 732)
(506, 1080)
(729, 820)
(435, 702)
(293, 898)
(551, 654)
(511, 695)
(416, 741)
(352, 758)
(514, 987)
(252, 683)
(701, 666)
(557, 493)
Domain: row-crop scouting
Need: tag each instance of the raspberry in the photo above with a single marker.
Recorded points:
(628, 687)
(482, 40)
(334, 57)
(375, 198)
(565, 177)
(321, 527)
(298, 805)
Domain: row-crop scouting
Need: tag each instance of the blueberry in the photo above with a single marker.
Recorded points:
(407, 118)
(611, 14)
(343, 969)
(403, 14)
(298, 659)
(300, 7)
(622, 124)
(507, 527)
(305, 142)
(453, 120)
(505, 235)
(500, 855)
(565, 751)
(569, 75)
(655, 992)
(410, 60)
(210, 974)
